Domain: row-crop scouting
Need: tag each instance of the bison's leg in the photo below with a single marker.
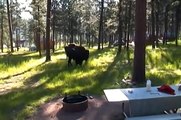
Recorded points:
(78, 61)
(69, 61)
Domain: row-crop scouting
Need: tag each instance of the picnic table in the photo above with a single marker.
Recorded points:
(139, 102)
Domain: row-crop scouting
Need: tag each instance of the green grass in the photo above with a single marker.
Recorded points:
(26, 81)
(163, 65)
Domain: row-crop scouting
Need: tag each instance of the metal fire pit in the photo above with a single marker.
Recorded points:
(75, 103)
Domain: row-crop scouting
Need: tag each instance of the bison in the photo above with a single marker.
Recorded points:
(77, 53)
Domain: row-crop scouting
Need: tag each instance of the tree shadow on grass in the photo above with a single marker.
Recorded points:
(19, 105)
(15, 104)
(21, 102)
(107, 79)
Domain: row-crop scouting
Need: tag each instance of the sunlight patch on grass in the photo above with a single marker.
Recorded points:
(157, 72)
(1, 81)
(169, 66)
(59, 57)
(102, 61)
(24, 66)
(178, 72)
(154, 57)
(153, 70)
(54, 85)
(44, 79)
(164, 76)
(82, 74)
(81, 88)
(31, 54)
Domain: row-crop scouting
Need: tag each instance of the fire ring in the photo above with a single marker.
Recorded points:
(75, 103)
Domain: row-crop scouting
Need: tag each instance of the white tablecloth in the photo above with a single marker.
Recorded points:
(139, 102)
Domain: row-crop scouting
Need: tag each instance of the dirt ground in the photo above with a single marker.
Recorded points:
(98, 109)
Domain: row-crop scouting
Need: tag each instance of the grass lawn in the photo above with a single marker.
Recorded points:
(26, 81)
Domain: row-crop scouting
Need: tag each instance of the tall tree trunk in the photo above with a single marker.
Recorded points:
(177, 23)
(119, 27)
(153, 24)
(72, 34)
(129, 20)
(38, 34)
(53, 27)
(157, 22)
(48, 57)
(53, 30)
(100, 37)
(64, 39)
(172, 36)
(92, 40)
(88, 39)
(2, 29)
(166, 26)
(140, 36)
(56, 40)
(17, 31)
(17, 39)
(129, 30)
(126, 26)
(80, 37)
(10, 26)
